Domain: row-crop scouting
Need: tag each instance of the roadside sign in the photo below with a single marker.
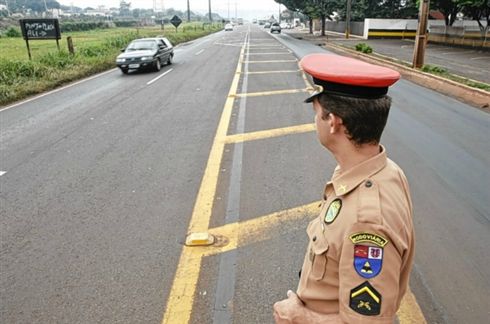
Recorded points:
(176, 21)
(40, 29)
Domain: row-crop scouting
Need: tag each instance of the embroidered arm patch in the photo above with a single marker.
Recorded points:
(365, 300)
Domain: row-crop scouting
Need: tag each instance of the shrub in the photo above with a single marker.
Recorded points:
(433, 69)
(13, 32)
(363, 47)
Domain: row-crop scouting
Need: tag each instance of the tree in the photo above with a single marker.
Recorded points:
(312, 9)
(124, 8)
(449, 8)
(478, 10)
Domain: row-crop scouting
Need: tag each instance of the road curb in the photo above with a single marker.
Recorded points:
(472, 96)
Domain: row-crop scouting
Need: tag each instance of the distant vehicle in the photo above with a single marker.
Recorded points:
(240, 21)
(283, 25)
(228, 27)
(146, 53)
(275, 28)
(267, 25)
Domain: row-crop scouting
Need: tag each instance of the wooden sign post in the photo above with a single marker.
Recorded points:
(40, 29)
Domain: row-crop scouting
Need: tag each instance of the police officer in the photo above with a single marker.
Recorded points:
(361, 245)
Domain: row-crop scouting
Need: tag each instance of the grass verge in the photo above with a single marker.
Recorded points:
(95, 51)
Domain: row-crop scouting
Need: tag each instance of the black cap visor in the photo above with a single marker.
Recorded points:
(346, 90)
(317, 90)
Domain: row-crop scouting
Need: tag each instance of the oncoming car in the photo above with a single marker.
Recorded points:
(146, 53)
(275, 28)
(228, 27)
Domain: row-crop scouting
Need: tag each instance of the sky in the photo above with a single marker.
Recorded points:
(246, 9)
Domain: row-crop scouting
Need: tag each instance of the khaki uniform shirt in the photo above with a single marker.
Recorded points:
(361, 246)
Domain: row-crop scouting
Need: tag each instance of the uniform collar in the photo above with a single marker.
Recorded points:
(345, 182)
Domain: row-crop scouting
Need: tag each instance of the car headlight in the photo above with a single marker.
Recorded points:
(120, 60)
(147, 58)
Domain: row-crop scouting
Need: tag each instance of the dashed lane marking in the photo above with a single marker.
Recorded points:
(252, 136)
(2, 173)
(158, 77)
(270, 93)
(200, 52)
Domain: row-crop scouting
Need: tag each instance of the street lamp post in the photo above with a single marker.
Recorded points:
(188, 12)
(210, 17)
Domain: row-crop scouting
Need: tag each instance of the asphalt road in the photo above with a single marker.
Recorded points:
(101, 180)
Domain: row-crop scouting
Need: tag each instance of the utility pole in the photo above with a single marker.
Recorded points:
(235, 13)
(210, 17)
(347, 20)
(279, 13)
(7, 5)
(228, 10)
(421, 37)
(188, 12)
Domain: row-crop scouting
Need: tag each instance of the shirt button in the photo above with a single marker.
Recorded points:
(314, 238)
(368, 184)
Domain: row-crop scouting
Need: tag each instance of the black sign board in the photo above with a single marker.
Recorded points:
(176, 21)
(40, 29)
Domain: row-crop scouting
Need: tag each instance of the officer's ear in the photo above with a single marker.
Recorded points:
(335, 123)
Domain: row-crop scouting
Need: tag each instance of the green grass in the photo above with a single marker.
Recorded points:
(95, 51)
(440, 71)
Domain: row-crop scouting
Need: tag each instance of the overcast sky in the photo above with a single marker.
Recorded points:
(247, 9)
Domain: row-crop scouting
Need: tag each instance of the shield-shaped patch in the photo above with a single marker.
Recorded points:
(333, 211)
(368, 260)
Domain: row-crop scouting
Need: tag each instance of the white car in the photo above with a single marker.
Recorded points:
(228, 27)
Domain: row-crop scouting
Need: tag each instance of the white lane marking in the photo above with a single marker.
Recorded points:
(158, 77)
(479, 58)
(2, 173)
(199, 52)
(56, 90)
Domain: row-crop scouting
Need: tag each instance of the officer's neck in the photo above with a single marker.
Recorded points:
(348, 155)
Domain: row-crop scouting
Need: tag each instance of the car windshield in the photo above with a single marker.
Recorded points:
(141, 45)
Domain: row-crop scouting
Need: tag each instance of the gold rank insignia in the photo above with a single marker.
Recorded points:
(333, 211)
(365, 300)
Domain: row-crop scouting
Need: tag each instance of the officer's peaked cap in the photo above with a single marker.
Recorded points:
(347, 77)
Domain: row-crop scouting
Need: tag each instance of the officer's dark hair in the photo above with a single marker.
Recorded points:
(364, 119)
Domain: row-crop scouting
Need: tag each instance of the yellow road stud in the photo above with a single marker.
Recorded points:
(199, 239)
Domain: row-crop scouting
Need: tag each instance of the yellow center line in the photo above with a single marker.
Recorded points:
(181, 297)
(298, 129)
(270, 72)
(270, 93)
(273, 61)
